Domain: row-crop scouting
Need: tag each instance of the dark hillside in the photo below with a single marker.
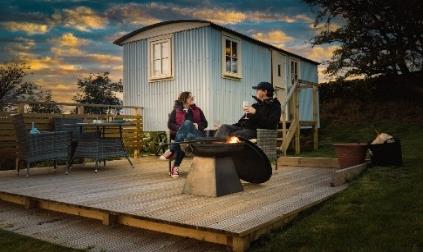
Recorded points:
(390, 99)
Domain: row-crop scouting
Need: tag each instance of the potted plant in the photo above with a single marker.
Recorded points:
(350, 154)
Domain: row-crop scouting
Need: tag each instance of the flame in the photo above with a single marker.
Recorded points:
(233, 139)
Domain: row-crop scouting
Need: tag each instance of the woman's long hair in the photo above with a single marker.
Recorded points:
(182, 99)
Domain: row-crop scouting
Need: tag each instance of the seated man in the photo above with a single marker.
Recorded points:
(264, 114)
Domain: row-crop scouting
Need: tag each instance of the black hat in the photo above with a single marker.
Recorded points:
(264, 86)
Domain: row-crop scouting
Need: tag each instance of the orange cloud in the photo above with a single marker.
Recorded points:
(275, 37)
(319, 54)
(219, 15)
(104, 58)
(140, 14)
(27, 27)
(69, 40)
(80, 18)
(67, 45)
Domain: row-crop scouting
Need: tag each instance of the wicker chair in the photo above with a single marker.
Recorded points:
(267, 141)
(39, 147)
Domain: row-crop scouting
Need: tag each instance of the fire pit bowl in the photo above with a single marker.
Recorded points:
(252, 164)
(215, 149)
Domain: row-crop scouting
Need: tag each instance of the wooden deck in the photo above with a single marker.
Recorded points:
(90, 235)
(146, 197)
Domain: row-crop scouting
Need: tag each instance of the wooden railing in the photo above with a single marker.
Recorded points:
(132, 132)
(293, 132)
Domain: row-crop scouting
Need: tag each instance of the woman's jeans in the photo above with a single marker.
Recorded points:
(186, 132)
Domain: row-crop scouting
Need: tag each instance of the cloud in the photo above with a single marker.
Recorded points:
(19, 45)
(27, 27)
(131, 13)
(220, 16)
(259, 16)
(70, 40)
(146, 14)
(47, 63)
(104, 58)
(67, 45)
(317, 53)
(80, 18)
(275, 37)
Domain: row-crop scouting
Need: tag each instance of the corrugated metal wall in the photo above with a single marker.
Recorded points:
(191, 73)
(228, 94)
(197, 68)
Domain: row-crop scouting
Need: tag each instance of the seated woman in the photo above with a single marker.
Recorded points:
(187, 121)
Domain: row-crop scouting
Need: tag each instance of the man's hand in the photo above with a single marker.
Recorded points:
(196, 125)
(250, 110)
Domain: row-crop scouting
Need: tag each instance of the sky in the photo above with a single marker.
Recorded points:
(63, 40)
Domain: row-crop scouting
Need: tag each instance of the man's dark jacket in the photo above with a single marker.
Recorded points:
(267, 116)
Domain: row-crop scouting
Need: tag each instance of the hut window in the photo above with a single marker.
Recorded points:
(160, 65)
(231, 57)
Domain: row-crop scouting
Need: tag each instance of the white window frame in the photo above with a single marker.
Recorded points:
(151, 42)
(225, 73)
(290, 70)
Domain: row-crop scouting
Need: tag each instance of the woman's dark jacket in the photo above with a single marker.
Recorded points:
(178, 116)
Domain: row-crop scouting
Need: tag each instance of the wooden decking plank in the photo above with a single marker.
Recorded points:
(69, 231)
(266, 213)
(209, 201)
(233, 209)
(237, 201)
(248, 206)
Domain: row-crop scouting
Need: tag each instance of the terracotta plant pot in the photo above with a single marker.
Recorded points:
(350, 154)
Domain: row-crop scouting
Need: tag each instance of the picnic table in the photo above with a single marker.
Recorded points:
(99, 147)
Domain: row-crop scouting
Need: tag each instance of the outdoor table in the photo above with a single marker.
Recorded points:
(100, 147)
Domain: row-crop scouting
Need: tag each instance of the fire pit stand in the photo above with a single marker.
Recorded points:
(213, 170)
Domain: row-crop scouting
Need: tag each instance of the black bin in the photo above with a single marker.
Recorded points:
(386, 153)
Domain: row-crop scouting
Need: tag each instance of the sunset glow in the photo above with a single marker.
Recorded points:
(64, 40)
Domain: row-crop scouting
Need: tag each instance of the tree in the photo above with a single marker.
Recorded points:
(14, 87)
(380, 37)
(98, 89)
(49, 105)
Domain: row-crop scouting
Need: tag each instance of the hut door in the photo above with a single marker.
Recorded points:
(278, 76)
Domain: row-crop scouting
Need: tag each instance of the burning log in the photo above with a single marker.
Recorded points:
(232, 139)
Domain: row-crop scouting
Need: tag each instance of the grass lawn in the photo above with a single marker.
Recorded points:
(18, 243)
(381, 211)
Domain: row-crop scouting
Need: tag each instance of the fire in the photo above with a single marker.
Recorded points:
(232, 139)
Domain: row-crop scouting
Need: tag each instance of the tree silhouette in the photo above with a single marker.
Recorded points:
(380, 37)
(98, 89)
(14, 87)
